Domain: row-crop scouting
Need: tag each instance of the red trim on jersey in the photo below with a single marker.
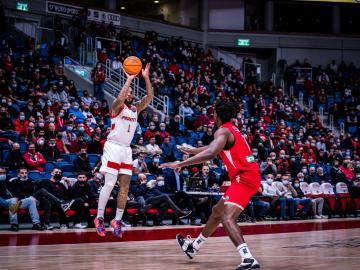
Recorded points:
(118, 166)
(120, 110)
(126, 166)
(113, 165)
(112, 126)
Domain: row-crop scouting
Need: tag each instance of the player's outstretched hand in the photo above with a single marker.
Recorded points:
(131, 77)
(145, 72)
(170, 165)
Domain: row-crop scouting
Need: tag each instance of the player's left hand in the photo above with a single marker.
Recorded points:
(170, 165)
(145, 72)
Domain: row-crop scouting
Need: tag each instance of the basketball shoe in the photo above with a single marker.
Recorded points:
(186, 245)
(117, 226)
(100, 226)
(247, 264)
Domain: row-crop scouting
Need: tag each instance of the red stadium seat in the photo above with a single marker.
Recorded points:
(70, 213)
(344, 196)
(170, 211)
(132, 211)
(153, 211)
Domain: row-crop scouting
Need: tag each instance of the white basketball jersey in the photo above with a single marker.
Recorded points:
(123, 126)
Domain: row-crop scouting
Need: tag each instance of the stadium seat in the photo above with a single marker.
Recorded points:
(49, 166)
(93, 212)
(315, 190)
(65, 157)
(35, 175)
(93, 158)
(344, 196)
(305, 189)
(329, 195)
(67, 168)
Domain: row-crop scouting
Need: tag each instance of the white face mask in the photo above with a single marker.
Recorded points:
(269, 181)
(285, 182)
(161, 183)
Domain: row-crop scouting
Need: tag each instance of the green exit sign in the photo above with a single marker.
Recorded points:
(22, 6)
(243, 42)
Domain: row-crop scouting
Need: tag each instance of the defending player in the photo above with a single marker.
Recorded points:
(117, 157)
(244, 173)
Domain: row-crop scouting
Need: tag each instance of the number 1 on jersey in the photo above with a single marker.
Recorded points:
(129, 128)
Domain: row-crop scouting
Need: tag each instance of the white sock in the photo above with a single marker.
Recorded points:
(110, 181)
(199, 241)
(244, 251)
(119, 214)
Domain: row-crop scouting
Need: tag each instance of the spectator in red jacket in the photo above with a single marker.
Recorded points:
(34, 160)
(21, 124)
(98, 77)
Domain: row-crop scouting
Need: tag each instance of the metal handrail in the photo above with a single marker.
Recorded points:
(117, 78)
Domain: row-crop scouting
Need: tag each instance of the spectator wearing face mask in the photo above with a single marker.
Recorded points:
(34, 160)
(320, 177)
(81, 162)
(82, 190)
(95, 146)
(268, 167)
(154, 165)
(74, 110)
(51, 151)
(208, 136)
(163, 133)
(300, 199)
(151, 131)
(287, 194)
(317, 204)
(21, 124)
(61, 188)
(6, 193)
(15, 159)
(202, 119)
(98, 77)
(269, 191)
(312, 174)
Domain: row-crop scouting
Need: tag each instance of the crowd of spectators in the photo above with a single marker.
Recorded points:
(50, 126)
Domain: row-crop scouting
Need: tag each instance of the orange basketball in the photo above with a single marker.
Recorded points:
(132, 65)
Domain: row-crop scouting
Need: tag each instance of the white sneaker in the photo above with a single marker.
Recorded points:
(63, 227)
(125, 224)
(324, 217)
(317, 217)
(79, 226)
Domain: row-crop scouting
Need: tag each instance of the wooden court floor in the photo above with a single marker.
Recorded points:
(320, 250)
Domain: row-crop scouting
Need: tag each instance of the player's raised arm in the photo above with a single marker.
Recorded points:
(218, 144)
(145, 101)
(119, 101)
(192, 151)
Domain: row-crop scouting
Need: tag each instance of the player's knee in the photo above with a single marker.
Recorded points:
(227, 220)
(216, 211)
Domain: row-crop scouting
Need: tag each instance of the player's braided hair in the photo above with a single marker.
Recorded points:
(225, 111)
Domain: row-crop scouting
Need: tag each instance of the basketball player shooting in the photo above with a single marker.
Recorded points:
(117, 156)
(244, 173)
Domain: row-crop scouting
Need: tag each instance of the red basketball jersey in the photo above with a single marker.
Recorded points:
(239, 157)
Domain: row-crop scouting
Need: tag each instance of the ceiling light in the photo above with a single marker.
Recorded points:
(156, 2)
(122, 8)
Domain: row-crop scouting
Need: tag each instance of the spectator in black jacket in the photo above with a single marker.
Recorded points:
(81, 162)
(60, 187)
(24, 187)
(156, 198)
(15, 159)
(336, 174)
(95, 146)
(26, 203)
(174, 184)
(82, 190)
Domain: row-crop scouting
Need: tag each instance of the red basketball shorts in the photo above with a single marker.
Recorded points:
(242, 187)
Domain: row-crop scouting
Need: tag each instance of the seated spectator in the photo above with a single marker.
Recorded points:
(154, 165)
(156, 198)
(95, 146)
(24, 187)
(208, 137)
(151, 132)
(336, 173)
(34, 160)
(51, 151)
(348, 170)
(312, 173)
(139, 164)
(13, 207)
(320, 177)
(168, 150)
(261, 206)
(81, 162)
(317, 204)
(286, 192)
(174, 184)
(301, 199)
(21, 124)
(15, 159)
(25, 202)
(269, 191)
(267, 167)
(6, 123)
(60, 187)
(153, 148)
